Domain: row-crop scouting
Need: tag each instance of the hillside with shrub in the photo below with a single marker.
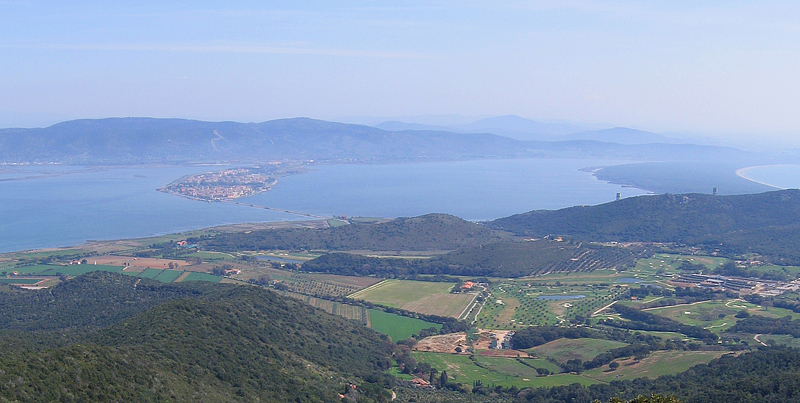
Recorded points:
(764, 223)
(431, 232)
(208, 342)
(503, 259)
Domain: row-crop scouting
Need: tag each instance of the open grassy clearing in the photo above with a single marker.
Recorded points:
(776, 339)
(791, 271)
(563, 350)
(425, 297)
(291, 255)
(658, 363)
(168, 276)
(398, 292)
(460, 368)
(77, 270)
(397, 327)
(208, 256)
(36, 269)
(26, 281)
(150, 273)
(591, 277)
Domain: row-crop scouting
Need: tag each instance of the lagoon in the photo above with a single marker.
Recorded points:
(49, 206)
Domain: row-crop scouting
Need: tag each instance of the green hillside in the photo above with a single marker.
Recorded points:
(764, 223)
(424, 233)
(209, 342)
(502, 259)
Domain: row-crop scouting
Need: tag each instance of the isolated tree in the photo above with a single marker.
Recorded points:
(613, 365)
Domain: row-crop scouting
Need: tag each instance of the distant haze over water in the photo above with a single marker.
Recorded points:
(48, 206)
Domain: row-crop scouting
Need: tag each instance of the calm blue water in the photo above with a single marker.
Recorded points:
(779, 176)
(560, 297)
(41, 209)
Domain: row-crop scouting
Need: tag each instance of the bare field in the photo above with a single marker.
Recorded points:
(445, 343)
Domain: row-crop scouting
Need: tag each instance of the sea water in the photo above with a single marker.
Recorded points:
(786, 176)
(48, 206)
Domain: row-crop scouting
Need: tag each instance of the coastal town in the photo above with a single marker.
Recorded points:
(223, 185)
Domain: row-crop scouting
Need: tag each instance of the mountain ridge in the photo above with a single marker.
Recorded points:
(154, 140)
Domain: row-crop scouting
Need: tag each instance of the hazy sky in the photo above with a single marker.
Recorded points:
(711, 67)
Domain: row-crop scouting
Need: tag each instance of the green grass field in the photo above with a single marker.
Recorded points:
(563, 350)
(72, 270)
(168, 276)
(19, 280)
(194, 276)
(499, 371)
(395, 326)
(39, 268)
(77, 270)
(425, 297)
(150, 273)
(656, 364)
(395, 293)
(207, 256)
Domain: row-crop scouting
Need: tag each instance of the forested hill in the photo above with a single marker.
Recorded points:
(148, 140)
(209, 342)
(424, 233)
(766, 223)
(502, 259)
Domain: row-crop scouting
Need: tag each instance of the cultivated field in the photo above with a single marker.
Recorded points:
(430, 298)
(515, 304)
(134, 263)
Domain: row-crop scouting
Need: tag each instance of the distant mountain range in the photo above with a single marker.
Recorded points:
(148, 140)
(530, 130)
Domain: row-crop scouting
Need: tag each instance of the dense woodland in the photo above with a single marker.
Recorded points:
(432, 232)
(764, 223)
(211, 342)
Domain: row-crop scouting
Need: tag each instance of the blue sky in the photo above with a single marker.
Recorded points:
(726, 68)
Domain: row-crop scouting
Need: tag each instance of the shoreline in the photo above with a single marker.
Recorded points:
(741, 172)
